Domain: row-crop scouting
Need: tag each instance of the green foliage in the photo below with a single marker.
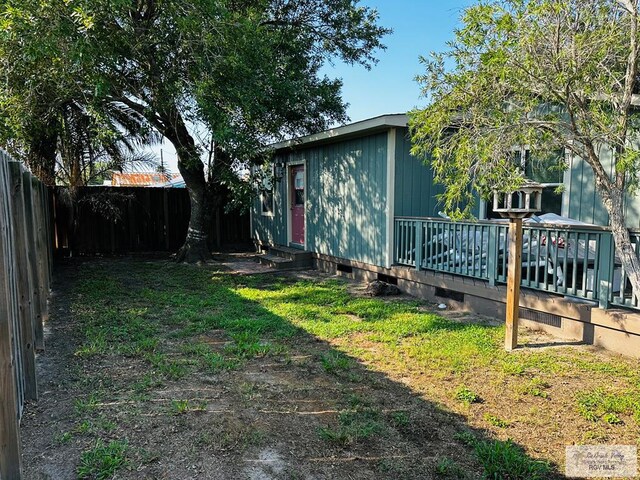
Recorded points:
(212, 361)
(535, 387)
(505, 459)
(179, 407)
(244, 73)
(334, 362)
(353, 426)
(103, 461)
(88, 404)
(466, 395)
(496, 421)
(449, 469)
(525, 72)
(599, 405)
(401, 419)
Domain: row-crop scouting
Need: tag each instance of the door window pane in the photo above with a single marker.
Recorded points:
(298, 184)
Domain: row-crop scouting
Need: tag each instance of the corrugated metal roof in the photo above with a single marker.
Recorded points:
(146, 179)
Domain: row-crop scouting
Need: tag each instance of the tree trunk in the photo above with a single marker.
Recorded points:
(622, 240)
(194, 249)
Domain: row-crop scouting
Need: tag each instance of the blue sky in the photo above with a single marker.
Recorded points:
(419, 27)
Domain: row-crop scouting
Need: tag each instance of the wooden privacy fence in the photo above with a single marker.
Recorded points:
(25, 275)
(119, 220)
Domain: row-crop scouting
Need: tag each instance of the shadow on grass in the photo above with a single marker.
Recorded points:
(150, 327)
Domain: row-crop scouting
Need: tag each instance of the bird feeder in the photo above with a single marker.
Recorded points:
(521, 203)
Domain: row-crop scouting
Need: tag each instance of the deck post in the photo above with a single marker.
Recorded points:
(604, 270)
(419, 243)
(514, 272)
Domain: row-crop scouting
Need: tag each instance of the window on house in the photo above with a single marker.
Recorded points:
(544, 171)
(266, 196)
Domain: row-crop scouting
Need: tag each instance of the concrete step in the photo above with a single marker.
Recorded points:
(300, 258)
(288, 252)
(274, 261)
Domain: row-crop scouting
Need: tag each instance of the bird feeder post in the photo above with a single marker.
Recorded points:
(514, 272)
(515, 206)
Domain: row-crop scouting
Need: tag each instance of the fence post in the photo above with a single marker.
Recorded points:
(24, 282)
(605, 269)
(419, 243)
(492, 255)
(10, 458)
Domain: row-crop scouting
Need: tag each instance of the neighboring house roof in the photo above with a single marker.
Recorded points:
(176, 182)
(364, 127)
(147, 179)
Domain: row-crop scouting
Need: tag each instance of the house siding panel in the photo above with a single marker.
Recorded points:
(584, 203)
(415, 191)
(271, 229)
(346, 199)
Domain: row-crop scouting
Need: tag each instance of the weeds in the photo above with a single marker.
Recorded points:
(354, 425)
(598, 405)
(247, 344)
(449, 468)
(88, 404)
(496, 421)
(102, 461)
(179, 407)
(400, 419)
(505, 459)
(334, 362)
(535, 387)
(467, 396)
(166, 319)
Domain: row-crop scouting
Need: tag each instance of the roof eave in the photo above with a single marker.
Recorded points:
(370, 125)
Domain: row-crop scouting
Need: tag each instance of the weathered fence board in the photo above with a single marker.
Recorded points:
(25, 275)
(33, 261)
(135, 219)
(10, 382)
(25, 282)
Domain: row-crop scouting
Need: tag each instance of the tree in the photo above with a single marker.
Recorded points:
(549, 74)
(247, 69)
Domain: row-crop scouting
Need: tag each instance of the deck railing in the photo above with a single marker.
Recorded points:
(578, 261)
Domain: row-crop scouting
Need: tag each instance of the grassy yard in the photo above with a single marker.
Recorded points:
(157, 370)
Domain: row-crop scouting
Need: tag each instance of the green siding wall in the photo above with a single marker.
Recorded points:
(346, 200)
(271, 229)
(584, 203)
(415, 192)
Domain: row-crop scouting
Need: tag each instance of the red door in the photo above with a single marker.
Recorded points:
(297, 205)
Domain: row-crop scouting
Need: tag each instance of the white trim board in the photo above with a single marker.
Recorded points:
(391, 194)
